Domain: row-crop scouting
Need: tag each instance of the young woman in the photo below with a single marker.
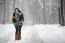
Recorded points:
(18, 19)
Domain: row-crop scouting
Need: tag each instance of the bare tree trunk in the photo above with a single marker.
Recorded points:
(4, 3)
(44, 13)
(61, 17)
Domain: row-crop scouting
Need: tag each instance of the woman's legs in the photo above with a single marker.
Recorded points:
(16, 29)
(18, 32)
(20, 29)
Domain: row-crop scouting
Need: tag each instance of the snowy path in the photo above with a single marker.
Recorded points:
(25, 35)
(34, 34)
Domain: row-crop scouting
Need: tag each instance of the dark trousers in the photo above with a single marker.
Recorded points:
(18, 29)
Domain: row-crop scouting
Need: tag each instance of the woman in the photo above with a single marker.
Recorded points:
(18, 19)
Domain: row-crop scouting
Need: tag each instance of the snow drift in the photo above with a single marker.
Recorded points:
(34, 34)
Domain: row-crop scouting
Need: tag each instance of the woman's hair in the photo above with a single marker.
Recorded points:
(17, 9)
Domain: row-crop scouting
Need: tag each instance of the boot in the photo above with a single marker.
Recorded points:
(17, 36)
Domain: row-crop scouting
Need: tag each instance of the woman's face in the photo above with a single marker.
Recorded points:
(16, 10)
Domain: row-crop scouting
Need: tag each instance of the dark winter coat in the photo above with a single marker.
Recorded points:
(18, 18)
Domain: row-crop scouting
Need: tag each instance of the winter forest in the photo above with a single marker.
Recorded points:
(35, 11)
(44, 21)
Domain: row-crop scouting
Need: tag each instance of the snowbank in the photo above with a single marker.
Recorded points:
(5, 29)
(36, 34)
(48, 34)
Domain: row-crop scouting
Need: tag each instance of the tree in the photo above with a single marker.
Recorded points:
(61, 16)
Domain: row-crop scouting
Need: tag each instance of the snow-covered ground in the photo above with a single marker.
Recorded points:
(33, 34)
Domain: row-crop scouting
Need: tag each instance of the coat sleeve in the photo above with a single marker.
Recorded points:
(14, 18)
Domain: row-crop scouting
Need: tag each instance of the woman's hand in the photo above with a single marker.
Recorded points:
(14, 17)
